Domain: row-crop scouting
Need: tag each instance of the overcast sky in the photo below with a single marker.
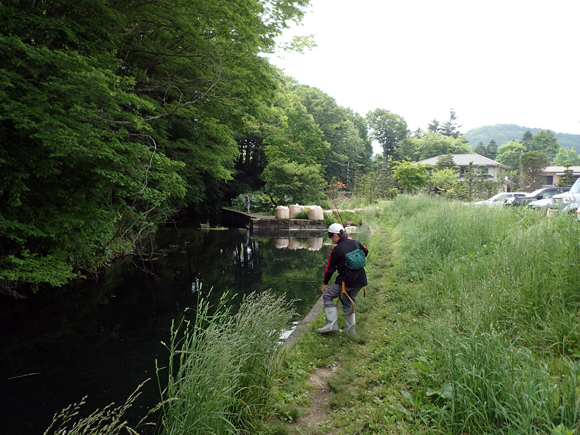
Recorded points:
(494, 62)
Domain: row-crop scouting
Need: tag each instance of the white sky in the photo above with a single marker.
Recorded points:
(494, 61)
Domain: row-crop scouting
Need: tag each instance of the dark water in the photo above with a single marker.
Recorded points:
(101, 338)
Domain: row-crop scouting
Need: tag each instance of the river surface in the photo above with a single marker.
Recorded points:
(101, 337)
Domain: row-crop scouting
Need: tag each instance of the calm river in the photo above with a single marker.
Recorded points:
(101, 338)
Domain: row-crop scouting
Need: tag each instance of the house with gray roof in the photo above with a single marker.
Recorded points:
(492, 167)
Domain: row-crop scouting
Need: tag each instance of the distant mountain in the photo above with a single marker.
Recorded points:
(504, 133)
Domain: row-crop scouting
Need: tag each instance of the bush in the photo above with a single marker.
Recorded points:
(259, 203)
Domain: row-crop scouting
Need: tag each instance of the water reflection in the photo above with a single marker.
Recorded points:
(101, 338)
(310, 243)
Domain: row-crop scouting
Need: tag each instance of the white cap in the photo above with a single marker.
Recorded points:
(335, 228)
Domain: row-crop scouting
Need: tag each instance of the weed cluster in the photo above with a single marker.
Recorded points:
(222, 367)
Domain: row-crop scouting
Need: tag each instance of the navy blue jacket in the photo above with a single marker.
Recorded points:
(336, 260)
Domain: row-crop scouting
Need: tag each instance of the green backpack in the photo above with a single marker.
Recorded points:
(355, 260)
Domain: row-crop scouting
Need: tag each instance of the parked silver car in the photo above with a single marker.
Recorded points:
(543, 193)
(499, 199)
(568, 201)
(540, 203)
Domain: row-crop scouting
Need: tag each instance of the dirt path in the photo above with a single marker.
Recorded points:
(318, 413)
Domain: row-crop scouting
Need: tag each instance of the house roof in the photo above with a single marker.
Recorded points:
(559, 170)
(465, 159)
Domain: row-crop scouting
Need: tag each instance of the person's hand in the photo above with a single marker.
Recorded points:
(323, 287)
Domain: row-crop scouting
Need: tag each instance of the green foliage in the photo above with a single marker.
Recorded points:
(297, 137)
(345, 131)
(410, 175)
(567, 179)
(302, 214)
(346, 218)
(222, 367)
(566, 157)
(115, 115)
(389, 129)
(83, 177)
(443, 179)
(510, 153)
(431, 145)
(546, 142)
(531, 166)
(259, 203)
(292, 182)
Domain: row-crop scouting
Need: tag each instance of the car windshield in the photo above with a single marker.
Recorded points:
(497, 197)
(535, 192)
(575, 187)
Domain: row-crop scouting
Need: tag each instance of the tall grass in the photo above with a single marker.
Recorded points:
(110, 420)
(501, 289)
(222, 366)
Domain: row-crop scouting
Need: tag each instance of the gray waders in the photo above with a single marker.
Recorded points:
(331, 321)
(332, 315)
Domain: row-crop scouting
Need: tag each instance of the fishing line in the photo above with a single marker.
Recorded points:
(305, 158)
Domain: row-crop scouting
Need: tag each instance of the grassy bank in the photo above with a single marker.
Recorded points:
(470, 326)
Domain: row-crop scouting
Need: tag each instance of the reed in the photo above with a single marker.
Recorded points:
(110, 420)
(222, 367)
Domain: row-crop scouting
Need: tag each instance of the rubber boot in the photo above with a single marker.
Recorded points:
(331, 321)
(349, 322)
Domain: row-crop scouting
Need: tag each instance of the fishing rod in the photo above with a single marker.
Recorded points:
(305, 158)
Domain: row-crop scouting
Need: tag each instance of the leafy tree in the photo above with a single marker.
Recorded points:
(431, 145)
(450, 128)
(84, 176)
(388, 129)
(116, 114)
(443, 179)
(491, 150)
(545, 141)
(292, 182)
(470, 181)
(480, 149)
(367, 186)
(567, 179)
(527, 140)
(531, 166)
(434, 126)
(410, 175)
(566, 157)
(489, 187)
(345, 131)
(510, 153)
(445, 161)
(419, 133)
(295, 136)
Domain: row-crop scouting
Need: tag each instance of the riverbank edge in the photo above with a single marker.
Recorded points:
(302, 327)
